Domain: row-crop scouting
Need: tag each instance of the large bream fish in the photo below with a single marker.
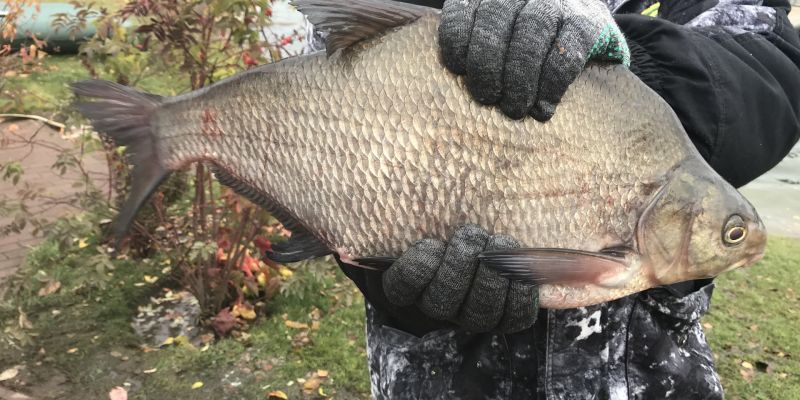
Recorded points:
(366, 149)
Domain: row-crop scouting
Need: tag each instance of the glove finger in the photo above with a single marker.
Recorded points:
(486, 300)
(534, 32)
(488, 47)
(564, 63)
(405, 280)
(443, 297)
(455, 29)
(522, 306)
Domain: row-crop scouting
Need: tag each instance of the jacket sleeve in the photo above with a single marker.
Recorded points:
(730, 74)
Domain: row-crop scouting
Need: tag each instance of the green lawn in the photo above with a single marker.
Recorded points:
(44, 88)
(754, 326)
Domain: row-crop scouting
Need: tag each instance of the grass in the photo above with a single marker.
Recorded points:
(754, 326)
(44, 88)
(77, 343)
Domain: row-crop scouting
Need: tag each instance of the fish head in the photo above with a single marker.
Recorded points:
(698, 226)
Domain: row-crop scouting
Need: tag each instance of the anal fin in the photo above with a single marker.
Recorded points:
(302, 245)
(376, 263)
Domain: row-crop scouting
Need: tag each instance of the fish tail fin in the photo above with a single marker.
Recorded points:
(125, 115)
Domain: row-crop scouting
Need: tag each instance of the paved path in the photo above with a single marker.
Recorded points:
(38, 173)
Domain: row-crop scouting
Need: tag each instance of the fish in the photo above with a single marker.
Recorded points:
(365, 148)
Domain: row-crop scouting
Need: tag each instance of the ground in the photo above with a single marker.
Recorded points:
(36, 162)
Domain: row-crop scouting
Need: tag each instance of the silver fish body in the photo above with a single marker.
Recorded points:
(380, 146)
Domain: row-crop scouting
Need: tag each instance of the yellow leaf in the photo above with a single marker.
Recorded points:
(197, 385)
(150, 371)
(72, 350)
(168, 341)
(9, 374)
(50, 288)
(150, 279)
(285, 272)
(82, 243)
(243, 311)
(747, 365)
(262, 279)
(321, 392)
(277, 394)
(295, 324)
(322, 373)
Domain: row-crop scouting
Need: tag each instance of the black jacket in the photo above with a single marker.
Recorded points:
(731, 72)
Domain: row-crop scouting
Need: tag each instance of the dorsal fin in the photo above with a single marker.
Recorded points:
(347, 22)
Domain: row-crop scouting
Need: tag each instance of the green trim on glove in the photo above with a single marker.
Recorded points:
(611, 46)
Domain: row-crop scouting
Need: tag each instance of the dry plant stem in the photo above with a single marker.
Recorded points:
(47, 121)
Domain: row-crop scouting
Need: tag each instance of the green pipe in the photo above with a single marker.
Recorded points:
(58, 41)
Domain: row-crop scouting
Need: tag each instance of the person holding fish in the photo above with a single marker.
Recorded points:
(729, 69)
(471, 165)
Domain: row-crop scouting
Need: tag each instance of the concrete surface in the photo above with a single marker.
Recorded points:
(38, 173)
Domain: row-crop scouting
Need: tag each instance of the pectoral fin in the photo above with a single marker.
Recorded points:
(558, 266)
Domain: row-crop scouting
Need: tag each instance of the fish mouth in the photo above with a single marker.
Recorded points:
(745, 262)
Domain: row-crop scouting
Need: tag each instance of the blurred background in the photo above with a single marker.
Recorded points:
(188, 310)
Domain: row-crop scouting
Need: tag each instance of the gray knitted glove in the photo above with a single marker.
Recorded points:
(446, 282)
(523, 54)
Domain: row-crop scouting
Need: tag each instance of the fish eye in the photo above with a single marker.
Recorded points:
(735, 231)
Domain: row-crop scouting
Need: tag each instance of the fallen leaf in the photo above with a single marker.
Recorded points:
(150, 371)
(116, 354)
(24, 322)
(223, 322)
(150, 279)
(286, 273)
(197, 385)
(168, 341)
(754, 328)
(295, 324)
(747, 374)
(783, 375)
(707, 325)
(82, 243)
(50, 288)
(9, 374)
(244, 311)
(321, 392)
(72, 350)
(311, 385)
(277, 394)
(322, 373)
(315, 325)
(182, 340)
(118, 393)
(747, 365)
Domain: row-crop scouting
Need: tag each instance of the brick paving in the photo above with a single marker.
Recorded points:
(36, 163)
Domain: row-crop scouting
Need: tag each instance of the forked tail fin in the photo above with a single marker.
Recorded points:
(125, 115)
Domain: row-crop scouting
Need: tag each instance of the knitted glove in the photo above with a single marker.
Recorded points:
(523, 54)
(447, 283)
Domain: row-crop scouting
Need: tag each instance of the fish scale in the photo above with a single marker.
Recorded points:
(322, 129)
(366, 152)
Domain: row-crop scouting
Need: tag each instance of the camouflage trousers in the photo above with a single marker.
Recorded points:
(645, 346)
